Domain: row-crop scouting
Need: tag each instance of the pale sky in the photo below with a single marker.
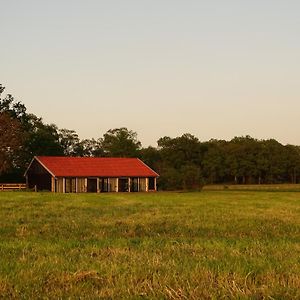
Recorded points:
(215, 69)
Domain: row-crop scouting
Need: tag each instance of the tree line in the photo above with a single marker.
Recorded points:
(183, 162)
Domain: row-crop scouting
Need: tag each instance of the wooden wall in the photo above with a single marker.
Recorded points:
(80, 184)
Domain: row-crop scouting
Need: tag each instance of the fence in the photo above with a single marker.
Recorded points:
(12, 186)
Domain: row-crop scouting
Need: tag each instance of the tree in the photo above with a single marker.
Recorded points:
(89, 147)
(180, 151)
(43, 139)
(181, 162)
(276, 167)
(120, 142)
(152, 157)
(170, 179)
(240, 159)
(213, 162)
(11, 141)
(15, 109)
(37, 138)
(12, 134)
(191, 177)
(69, 141)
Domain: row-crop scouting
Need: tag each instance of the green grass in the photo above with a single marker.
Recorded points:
(207, 245)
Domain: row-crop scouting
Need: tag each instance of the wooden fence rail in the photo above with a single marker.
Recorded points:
(12, 186)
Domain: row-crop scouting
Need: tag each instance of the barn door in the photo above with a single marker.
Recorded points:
(123, 184)
(92, 185)
(134, 187)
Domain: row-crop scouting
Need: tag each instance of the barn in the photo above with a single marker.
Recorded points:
(89, 174)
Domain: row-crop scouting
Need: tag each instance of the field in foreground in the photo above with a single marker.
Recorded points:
(208, 245)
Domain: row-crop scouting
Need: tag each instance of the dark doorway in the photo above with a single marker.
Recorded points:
(123, 184)
(151, 184)
(92, 185)
(134, 187)
(39, 177)
(103, 185)
(42, 182)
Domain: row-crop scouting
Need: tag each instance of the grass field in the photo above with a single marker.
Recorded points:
(207, 245)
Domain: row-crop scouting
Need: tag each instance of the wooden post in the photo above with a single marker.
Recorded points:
(155, 188)
(85, 184)
(27, 186)
(98, 190)
(52, 184)
(147, 184)
(64, 185)
(129, 182)
(117, 184)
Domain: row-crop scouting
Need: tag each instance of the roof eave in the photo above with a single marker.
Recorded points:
(157, 175)
(37, 159)
(29, 166)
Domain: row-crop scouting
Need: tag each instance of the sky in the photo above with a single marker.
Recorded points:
(215, 69)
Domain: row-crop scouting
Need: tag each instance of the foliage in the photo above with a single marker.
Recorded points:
(37, 138)
(11, 139)
(170, 179)
(43, 140)
(151, 157)
(181, 160)
(213, 161)
(16, 110)
(91, 147)
(69, 141)
(120, 142)
(181, 150)
(191, 177)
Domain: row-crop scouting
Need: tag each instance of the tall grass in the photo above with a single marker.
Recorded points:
(208, 245)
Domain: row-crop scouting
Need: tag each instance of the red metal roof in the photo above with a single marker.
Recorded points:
(95, 166)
